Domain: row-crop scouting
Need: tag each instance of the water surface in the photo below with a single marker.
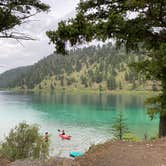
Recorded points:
(87, 117)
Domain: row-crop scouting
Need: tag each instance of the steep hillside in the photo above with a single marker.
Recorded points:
(103, 68)
(9, 76)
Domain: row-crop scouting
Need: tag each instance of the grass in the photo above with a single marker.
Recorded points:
(71, 90)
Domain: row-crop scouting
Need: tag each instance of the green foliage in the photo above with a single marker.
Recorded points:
(111, 83)
(110, 20)
(16, 12)
(154, 137)
(7, 77)
(121, 131)
(84, 80)
(24, 141)
(154, 106)
(101, 88)
(52, 87)
(120, 127)
(131, 137)
(154, 87)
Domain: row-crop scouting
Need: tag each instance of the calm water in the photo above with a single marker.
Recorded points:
(88, 118)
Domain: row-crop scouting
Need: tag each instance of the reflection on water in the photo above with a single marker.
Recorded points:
(87, 117)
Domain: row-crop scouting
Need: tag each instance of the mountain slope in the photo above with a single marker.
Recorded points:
(96, 67)
(9, 76)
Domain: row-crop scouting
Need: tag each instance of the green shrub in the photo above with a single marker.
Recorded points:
(24, 141)
(131, 137)
(154, 137)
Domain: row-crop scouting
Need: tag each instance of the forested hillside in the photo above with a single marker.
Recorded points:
(95, 67)
(7, 77)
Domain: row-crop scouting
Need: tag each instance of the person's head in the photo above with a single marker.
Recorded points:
(46, 133)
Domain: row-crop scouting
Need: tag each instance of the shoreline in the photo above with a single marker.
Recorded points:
(144, 153)
(85, 91)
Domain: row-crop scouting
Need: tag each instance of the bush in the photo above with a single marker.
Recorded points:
(154, 137)
(131, 137)
(24, 141)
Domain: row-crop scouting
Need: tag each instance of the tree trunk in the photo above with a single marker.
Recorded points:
(162, 126)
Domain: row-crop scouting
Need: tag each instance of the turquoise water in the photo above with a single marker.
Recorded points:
(87, 117)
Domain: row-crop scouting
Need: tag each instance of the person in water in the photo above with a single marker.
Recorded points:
(63, 132)
(46, 137)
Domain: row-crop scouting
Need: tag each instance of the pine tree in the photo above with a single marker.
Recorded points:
(120, 127)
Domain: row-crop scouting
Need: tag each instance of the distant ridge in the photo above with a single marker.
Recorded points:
(9, 76)
(96, 67)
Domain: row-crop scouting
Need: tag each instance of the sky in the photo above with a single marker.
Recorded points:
(14, 54)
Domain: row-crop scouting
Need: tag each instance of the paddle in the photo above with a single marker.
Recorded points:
(63, 134)
(60, 130)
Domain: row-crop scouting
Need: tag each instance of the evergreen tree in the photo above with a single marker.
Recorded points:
(62, 80)
(154, 87)
(120, 127)
(52, 86)
(111, 83)
(40, 87)
(120, 85)
(100, 88)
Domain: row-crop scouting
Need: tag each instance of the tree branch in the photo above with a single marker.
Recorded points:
(14, 35)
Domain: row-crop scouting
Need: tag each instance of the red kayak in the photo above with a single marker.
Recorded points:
(65, 136)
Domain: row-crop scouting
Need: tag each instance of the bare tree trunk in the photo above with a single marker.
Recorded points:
(162, 126)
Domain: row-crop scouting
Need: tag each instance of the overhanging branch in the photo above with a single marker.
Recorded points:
(16, 37)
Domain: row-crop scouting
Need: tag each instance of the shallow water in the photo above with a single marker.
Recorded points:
(86, 117)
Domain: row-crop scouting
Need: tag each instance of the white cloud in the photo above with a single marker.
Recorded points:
(13, 54)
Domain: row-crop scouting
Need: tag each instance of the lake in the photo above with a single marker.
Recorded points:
(86, 117)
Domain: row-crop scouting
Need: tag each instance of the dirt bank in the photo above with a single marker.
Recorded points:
(4, 162)
(150, 153)
(119, 153)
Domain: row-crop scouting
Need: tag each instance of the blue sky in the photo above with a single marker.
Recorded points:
(14, 54)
